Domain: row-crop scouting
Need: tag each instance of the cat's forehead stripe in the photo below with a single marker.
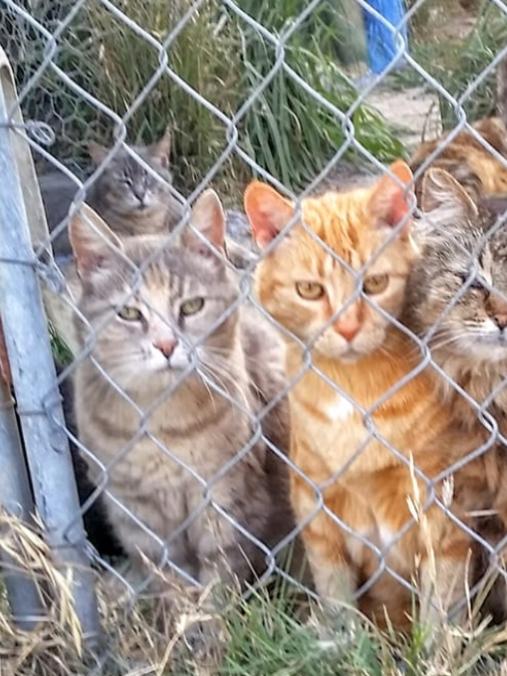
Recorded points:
(182, 285)
(171, 267)
(338, 220)
(156, 275)
(175, 283)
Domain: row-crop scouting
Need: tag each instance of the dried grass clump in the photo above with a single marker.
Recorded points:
(158, 635)
(275, 631)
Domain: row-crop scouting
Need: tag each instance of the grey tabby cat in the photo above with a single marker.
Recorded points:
(131, 199)
(459, 285)
(132, 202)
(175, 448)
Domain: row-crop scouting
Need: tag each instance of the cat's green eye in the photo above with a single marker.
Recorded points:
(310, 290)
(192, 306)
(374, 284)
(130, 314)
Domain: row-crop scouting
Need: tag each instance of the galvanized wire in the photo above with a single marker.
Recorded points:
(39, 135)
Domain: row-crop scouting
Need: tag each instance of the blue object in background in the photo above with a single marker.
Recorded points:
(380, 41)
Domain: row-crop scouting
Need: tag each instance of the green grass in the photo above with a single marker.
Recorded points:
(457, 63)
(267, 635)
(220, 56)
(278, 631)
(61, 352)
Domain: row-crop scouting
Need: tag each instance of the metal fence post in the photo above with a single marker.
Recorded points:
(34, 378)
(68, 98)
(16, 498)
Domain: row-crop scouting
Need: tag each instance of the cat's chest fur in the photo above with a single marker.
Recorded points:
(174, 444)
(484, 382)
(350, 427)
(155, 221)
(164, 467)
(331, 425)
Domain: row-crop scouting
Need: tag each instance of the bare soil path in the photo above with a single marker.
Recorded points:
(413, 111)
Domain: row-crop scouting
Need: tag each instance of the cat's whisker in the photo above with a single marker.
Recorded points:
(215, 377)
(225, 353)
(388, 350)
(204, 379)
(218, 358)
(225, 365)
(438, 345)
(444, 338)
(211, 377)
(221, 374)
(440, 338)
(224, 370)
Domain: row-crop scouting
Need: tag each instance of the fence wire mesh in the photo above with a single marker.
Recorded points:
(94, 76)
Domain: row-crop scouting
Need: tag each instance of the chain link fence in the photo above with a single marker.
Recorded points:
(92, 77)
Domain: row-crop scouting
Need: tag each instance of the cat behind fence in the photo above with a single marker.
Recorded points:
(366, 419)
(457, 302)
(133, 201)
(183, 459)
(466, 157)
(130, 198)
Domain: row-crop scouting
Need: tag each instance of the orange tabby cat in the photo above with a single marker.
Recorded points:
(324, 305)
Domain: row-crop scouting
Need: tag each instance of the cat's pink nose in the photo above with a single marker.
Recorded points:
(165, 346)
(348, 328)
(496, 307)
(500, 320)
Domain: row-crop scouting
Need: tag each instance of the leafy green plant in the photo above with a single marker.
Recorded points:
(457, 63)
(290, 133)
(484, 43)
(117, 66)
(287, 131)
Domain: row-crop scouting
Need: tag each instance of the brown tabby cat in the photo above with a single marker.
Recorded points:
(471, 164)
(176, 450)
(457, 300)
(468, 338)
(353, 398)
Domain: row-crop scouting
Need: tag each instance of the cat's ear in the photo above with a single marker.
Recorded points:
(208, 218)
(162, 148)
(92, 241)
(393, 196)
(267, 210)
(440, 189)
(97, 152)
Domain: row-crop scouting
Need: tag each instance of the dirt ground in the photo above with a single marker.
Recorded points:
(413, 111)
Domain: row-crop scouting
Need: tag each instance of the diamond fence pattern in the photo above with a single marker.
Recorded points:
(44, 41)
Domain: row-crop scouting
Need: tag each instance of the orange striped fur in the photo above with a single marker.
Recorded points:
(363, 482)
